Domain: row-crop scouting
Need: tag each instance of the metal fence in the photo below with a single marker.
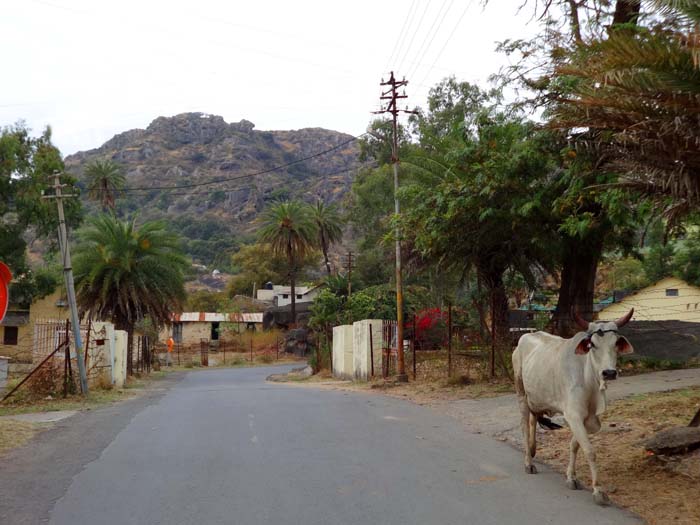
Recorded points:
(449, 350)
(55, 358)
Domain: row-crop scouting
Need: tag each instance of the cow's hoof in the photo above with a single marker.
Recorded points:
(531, 469)
(573, 484)
(601, 498)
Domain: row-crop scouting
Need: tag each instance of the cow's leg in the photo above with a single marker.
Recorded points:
(532, 436)
(571, 481)
(525, 426)
(581, 436)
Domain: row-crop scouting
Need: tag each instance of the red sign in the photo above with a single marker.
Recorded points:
(5, 278)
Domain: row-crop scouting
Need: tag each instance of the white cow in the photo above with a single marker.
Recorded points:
(568, 376)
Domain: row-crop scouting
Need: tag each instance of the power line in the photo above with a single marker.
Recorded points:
(245, 176)
(423, 49)
(454, 29)
(401, 36)
(413, 35)
(252, 186)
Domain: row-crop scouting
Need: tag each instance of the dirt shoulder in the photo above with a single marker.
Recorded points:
(22, 418)
(661, 490)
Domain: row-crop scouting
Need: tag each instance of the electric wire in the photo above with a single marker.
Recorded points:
(404, 34)
(244, 176)
(267, 186)
(413, 36)
(444, 46)
(399, 37)
(423, 49)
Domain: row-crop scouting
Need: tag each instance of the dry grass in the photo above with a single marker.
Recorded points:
(21, 403)
(15, 433)
(423, 392)
(659, 492)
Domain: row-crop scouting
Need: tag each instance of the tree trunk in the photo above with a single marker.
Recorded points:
(499, 301)
(292, 282)
(130, 351)
(499, 326)
(626, 11)
(324, 247)
(575, 22)
(580, 264)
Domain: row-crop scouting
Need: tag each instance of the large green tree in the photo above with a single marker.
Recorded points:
(27, 165)
(484, 205)
(290, 230)
(127, 273)
(560, 70)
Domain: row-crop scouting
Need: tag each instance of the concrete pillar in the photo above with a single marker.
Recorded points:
(342, 352)
(361, 348)
(104, 332)
(3, 370)
(120, 342)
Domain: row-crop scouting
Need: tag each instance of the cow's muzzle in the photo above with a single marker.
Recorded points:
(609, 375)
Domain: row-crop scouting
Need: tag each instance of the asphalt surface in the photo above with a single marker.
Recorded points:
(225, 447)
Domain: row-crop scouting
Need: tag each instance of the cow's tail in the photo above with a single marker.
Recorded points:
(547, 423)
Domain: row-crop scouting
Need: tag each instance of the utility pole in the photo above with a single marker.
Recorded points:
(68, 276)
(349, 265)
(392, 95)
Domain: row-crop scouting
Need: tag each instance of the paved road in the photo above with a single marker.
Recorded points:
(224, 447)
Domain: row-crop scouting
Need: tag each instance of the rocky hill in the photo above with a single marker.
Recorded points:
(196, 148)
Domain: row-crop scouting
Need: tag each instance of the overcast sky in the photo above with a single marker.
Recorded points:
(93, 68)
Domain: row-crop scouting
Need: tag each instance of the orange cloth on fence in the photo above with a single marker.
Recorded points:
(170, 344)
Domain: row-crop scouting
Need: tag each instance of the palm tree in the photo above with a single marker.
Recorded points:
(329, 228)
(290, 230)
(636, 95)
(127, 273)
(104, 180)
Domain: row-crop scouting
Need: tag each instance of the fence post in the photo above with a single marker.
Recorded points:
(413, 344)
(251, 348)
(449, 340)
(492, 363)
(371, 351)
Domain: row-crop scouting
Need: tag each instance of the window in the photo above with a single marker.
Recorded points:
(298, 296)
(285, 296)
(177, 332)
(10, 335)
(671, 292)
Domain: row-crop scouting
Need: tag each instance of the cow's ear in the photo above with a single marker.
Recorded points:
(584, 346)
(623, 346)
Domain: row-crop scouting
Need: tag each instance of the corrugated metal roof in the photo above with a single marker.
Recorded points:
(19, 319)
(212, 317)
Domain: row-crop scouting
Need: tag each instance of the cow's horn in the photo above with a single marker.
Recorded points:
(622, 321)
(579, 320)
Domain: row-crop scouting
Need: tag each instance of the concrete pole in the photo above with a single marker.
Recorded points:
(70, 285)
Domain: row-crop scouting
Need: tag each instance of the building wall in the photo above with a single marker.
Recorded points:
(194, 331)
(653, 304)
(44, 308)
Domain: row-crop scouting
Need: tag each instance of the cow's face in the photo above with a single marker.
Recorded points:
(603, 346)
